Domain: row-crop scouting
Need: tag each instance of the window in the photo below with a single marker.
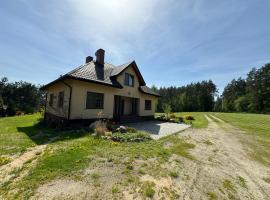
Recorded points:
(51, 100)
(148, 105)
(61, 99)
(94, 100)
(129, 79)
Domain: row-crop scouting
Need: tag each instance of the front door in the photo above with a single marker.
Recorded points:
(134, 106)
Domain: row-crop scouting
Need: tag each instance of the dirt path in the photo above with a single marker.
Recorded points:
(9, 170)
(222, 168)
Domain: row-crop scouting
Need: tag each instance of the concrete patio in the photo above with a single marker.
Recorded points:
(159, 129)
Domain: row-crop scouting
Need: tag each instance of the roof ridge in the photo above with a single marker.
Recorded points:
(127, 63)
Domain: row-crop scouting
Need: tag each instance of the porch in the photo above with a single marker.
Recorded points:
(126, 108)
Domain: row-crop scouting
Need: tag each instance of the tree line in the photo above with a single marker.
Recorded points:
(19, 97)
(251, 94)
(192, 97)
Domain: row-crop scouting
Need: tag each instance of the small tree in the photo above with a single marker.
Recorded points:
(166, 109)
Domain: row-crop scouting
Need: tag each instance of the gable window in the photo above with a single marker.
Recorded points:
(51, 100)
(148, 105)
(129, 79)
(61, 99)
(94, 100)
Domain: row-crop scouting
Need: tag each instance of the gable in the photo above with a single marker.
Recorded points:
(130, 70)
(122, 68)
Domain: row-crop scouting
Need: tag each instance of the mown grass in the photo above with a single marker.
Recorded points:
(257, 125)
(199, 122)
(74, 151)
(12, 140)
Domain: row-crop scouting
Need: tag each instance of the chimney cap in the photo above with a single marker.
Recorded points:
(100, 50)
(100, 54)
(88, 59)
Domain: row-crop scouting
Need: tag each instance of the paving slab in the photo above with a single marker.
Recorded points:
(159, 129)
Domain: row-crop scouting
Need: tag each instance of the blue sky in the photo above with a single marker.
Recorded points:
(174, 42)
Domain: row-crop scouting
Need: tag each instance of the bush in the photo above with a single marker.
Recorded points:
(189, 117)
(111, 126)
(131, 130)
(131, 137)
(19, 112)
(172, 116)
(101, 128)
(181, 119)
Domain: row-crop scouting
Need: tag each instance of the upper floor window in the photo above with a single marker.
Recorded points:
(51, 100)
(148, 105)
(94, 100)
(129, 79)
(61, 99)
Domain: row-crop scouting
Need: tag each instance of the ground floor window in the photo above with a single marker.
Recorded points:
(51, 100)
(148, 105)
(94, 100)
(61, 99)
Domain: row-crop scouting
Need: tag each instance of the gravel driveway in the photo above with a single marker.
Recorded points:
(159, 129)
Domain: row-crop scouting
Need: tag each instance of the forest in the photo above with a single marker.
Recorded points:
(20, 98)
(249, 94)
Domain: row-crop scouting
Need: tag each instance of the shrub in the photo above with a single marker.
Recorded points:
(111, 125)
(101, 128)
(189, 117)
(172, 116)
(181, 119)
(163, 117)
(131, 130)
(19, 112)
(131, 137)
(166, 109)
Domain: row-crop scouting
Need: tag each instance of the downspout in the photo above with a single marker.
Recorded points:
(69, 101)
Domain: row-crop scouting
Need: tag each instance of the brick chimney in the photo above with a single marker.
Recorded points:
(88, 59)
(100, 54)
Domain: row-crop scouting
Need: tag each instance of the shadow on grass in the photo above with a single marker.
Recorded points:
(42, 134)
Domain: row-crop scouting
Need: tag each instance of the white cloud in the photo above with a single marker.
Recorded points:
(109, 24)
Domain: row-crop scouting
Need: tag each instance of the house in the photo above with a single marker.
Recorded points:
(99, 88)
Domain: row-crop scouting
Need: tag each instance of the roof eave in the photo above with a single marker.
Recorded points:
(43, 88)
(156, 95)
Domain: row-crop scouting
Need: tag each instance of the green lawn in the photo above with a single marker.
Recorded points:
(257, 125)
(12, 139)
(76, 150)
(199, 122)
